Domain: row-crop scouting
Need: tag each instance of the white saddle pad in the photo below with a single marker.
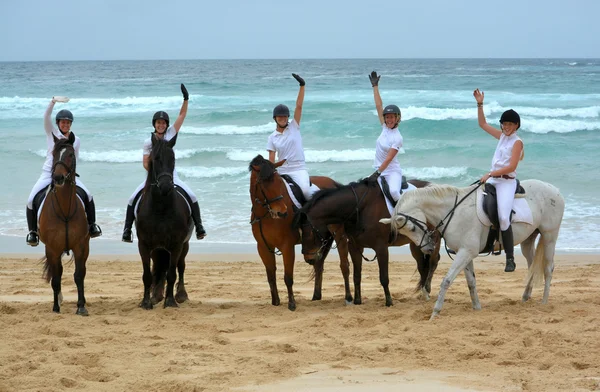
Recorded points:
(520, 207)
(388, 203)
(291, 194)
(39, 211)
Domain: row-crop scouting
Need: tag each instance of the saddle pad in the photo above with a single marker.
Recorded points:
(39, 211)
(137, 204)
(389, 205)
(291, 194)
(522, 211)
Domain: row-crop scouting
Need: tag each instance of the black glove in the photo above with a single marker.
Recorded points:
(373, 177)
(374, 78)
(299, 79)
(185, 93)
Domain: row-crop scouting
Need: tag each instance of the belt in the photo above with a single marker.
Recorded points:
(505, 176)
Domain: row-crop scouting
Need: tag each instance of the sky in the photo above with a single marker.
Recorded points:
(43, 30)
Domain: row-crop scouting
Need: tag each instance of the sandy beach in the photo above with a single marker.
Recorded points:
(229, 337)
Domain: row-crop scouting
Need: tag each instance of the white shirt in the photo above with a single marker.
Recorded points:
(288, 146)
(169, 134)
(504, 152)
(389, 138)
(51, 130)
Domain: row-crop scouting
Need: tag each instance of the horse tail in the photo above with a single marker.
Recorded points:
(161, 264)
(48, 270)
(536, 271)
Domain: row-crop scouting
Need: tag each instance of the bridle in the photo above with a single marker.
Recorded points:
(266, 204)
(70, 179)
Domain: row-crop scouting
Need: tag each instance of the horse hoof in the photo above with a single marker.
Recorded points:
(348, 303)
(82, 312)
(146, 305)
(292, 306)
(316, 298)
(56, 310)
(170, 303)
(181, 297)
(276, 302)
(357, 301)
(389, 303)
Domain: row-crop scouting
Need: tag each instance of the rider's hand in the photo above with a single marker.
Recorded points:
(373, 177)
(299, 79)
(485, 177)
(185, 93)
(374, 78)
(479, 95)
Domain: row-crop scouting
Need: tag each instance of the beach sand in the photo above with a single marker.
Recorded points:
(229, 337)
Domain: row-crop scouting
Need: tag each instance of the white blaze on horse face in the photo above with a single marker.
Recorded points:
(61, 154)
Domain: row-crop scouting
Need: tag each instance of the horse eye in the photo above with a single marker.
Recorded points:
(414, 228)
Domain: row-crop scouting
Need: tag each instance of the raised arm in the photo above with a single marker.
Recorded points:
(374, 78)
(300, 99)
(479, 95)
(48, 125)
(183, 111)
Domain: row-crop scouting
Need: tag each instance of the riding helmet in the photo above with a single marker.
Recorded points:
(511, 116)
(281, 110)
(64, 115)
(160, 116)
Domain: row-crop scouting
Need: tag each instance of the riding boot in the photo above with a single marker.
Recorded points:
(509, 246)
(200, 232)
(129, 218)
(33, 238)
(90, 210)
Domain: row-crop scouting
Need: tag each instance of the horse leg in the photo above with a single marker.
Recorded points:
(549, 246)
(268, 260)
(384, 278)
(147, 275)
(470, 276)
(159, 275)
(356, 255)
(81, 256)
(181, 295)
(288, 273)
(342, 246)
(171, 278)
(55, 270)
(423, 265)
(527, 248)
(318, 268)
(463, 258)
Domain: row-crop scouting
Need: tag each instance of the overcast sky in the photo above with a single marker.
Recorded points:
(250, 29)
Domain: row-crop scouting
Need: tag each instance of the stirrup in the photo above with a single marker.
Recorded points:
(33, 238)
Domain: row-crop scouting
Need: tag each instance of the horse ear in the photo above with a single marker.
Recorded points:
(280, 163)
(71, 138)
(154, 138)
(173, 141)
(55, 138)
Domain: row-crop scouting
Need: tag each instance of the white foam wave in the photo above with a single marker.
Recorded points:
(230, 130)
(211, 172)
(433, 172)
(363, 154)
(547, 125)
(127, 156)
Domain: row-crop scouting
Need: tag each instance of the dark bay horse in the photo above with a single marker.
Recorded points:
(63, 225)
(164, 226)
(358, 206)
(271, 218)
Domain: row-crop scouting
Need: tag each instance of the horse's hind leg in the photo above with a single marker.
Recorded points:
(384, 278)
(470, 276)
(268, 260)
(81, 256)
(527, 248)
(549, 248)
(159, 276)
(356, 255)
(55, 270)
(181, 295)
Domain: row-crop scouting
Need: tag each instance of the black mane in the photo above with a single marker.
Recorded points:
(267, 168)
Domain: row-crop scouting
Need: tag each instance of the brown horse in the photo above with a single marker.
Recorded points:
(63, 225)
(271, 218)
(358, 207)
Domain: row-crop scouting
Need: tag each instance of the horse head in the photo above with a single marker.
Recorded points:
(162, 164)
(64, 162)
(266, 187)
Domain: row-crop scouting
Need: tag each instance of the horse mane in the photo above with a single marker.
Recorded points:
(432, 191)
(267, 168)
(158, 147)
(324, 193)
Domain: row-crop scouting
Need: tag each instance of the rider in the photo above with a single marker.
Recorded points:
(64, 119)
(286, 141)
(388, 143)
(503, 174)
(162, 130)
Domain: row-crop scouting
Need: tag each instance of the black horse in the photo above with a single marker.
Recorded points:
(359, 206)
(164, 225)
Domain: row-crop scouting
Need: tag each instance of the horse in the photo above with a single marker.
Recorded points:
(465, 234)
(271, 217)
(164, 226)
(357, 207)
(63, 225)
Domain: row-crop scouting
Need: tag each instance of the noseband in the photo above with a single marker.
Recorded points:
(266, 203)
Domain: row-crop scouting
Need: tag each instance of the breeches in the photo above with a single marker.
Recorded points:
(505, 196)
(177, 182)
(302, 178)
(45, 180)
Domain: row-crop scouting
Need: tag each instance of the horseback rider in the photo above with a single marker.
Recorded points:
(162, 130)
(63, 120)
(388, 143)
(286, 141)
(503, 173)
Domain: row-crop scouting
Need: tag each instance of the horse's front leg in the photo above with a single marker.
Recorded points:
(288, 273)
(382, 253)
(55, 265)
(463, 257)
(423, 266)
(470, 276)
(342, 247)
(81, 255)
(319, 267)
(268, 259)
(147, 275)
(171, 278)
(356, 256)
(181, 295)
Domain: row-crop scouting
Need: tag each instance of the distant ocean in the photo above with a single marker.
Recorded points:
(229, 120)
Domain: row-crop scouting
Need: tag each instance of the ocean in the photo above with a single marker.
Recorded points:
(229, 120)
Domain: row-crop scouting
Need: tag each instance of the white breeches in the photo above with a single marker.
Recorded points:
(45, 180)
(302, 178)
(505, 196)
(394, 180)
(177, 182)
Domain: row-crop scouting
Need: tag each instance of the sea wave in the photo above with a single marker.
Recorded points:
(211, 172)
(128, 156)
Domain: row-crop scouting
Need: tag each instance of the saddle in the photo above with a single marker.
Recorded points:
(386, 189)
(38, 200)
(178, 189)
(490, 207)
(296, 190)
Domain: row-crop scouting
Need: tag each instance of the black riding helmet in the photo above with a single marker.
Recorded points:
(281, 110)
(160, 116)
(392, 109)
(511, 116)
(64, 115)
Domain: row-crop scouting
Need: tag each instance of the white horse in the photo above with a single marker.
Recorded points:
(464, 233)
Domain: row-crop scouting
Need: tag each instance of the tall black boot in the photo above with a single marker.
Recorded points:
(509, 246)
(33, 238)
(129, 218)
(90, 210)
(200, 232)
